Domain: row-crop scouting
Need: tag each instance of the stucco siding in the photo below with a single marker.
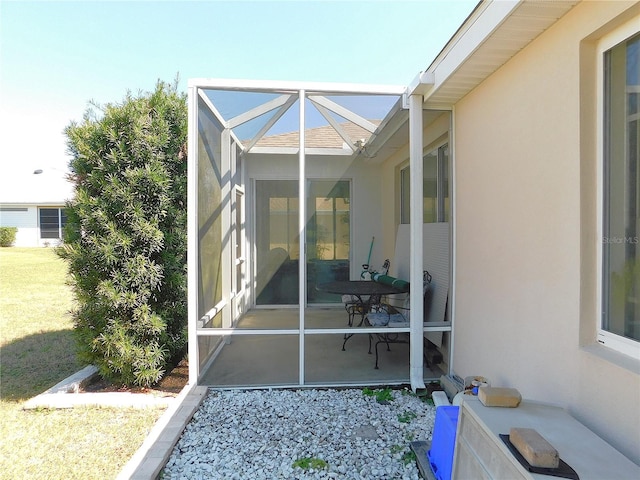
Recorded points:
(520, 268)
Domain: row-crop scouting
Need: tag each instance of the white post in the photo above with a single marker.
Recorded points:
(416, 219)
(302, 267)
(452, 226)
(192, 236)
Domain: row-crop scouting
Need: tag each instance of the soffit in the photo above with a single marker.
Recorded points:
(493, 33)
(520, 27)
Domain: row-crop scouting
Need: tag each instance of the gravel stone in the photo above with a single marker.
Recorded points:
(260, 434)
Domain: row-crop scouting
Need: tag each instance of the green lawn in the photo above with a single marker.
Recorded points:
(36, 352)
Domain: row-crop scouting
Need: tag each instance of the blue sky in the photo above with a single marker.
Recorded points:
(57, 56)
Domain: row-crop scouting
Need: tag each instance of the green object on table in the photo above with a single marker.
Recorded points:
(402, 285)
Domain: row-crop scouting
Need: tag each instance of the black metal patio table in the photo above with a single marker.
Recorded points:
(364, 294)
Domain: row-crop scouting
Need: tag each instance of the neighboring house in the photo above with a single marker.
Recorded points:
(522, 140)
(34, 203)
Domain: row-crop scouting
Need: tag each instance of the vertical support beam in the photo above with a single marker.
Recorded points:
(225, 217)
(302, 264)
(192, 236)
(416, 219)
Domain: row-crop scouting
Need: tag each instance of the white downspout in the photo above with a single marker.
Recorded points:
(454, 240)
(416, 233)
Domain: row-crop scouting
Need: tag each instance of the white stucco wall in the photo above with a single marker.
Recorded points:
(525, 231)
(25, 218)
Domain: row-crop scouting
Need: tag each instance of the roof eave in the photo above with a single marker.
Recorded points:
(483, 23)
(452, 74)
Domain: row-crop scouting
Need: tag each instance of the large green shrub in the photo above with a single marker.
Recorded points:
(7, 236)
(125, 237)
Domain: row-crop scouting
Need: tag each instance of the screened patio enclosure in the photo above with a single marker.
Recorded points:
(286, 194)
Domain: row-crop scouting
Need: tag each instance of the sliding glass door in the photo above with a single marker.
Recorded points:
(277, 242)
(328, 236)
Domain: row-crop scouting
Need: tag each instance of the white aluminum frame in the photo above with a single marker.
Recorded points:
(302, 225)
(292, 91)
(416, 219)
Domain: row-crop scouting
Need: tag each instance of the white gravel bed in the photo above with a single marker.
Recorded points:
(267, 434)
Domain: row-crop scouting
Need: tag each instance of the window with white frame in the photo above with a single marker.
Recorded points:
(52, 220)
(620, 74)
(435, 189)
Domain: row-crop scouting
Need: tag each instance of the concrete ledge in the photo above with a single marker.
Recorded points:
(76, 381)
(65, 395)
(152, 456)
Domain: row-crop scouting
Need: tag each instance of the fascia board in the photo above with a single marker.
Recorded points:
(273, 150)
(33, 204)
(324, 152)
(397, 117)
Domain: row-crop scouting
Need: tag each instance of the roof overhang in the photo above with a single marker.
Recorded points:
(492, 34)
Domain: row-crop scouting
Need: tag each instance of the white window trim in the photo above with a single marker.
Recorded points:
(619, 343)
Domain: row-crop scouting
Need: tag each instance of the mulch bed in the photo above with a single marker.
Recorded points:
(171, 384)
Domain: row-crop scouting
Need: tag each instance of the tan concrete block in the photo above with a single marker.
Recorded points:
(534, 448)
(499, 397)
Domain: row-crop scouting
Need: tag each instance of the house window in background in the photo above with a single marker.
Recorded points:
(52, 220)
(435, 188)
(620, 324)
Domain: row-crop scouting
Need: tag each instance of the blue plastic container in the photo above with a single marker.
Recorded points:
(443, 441)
